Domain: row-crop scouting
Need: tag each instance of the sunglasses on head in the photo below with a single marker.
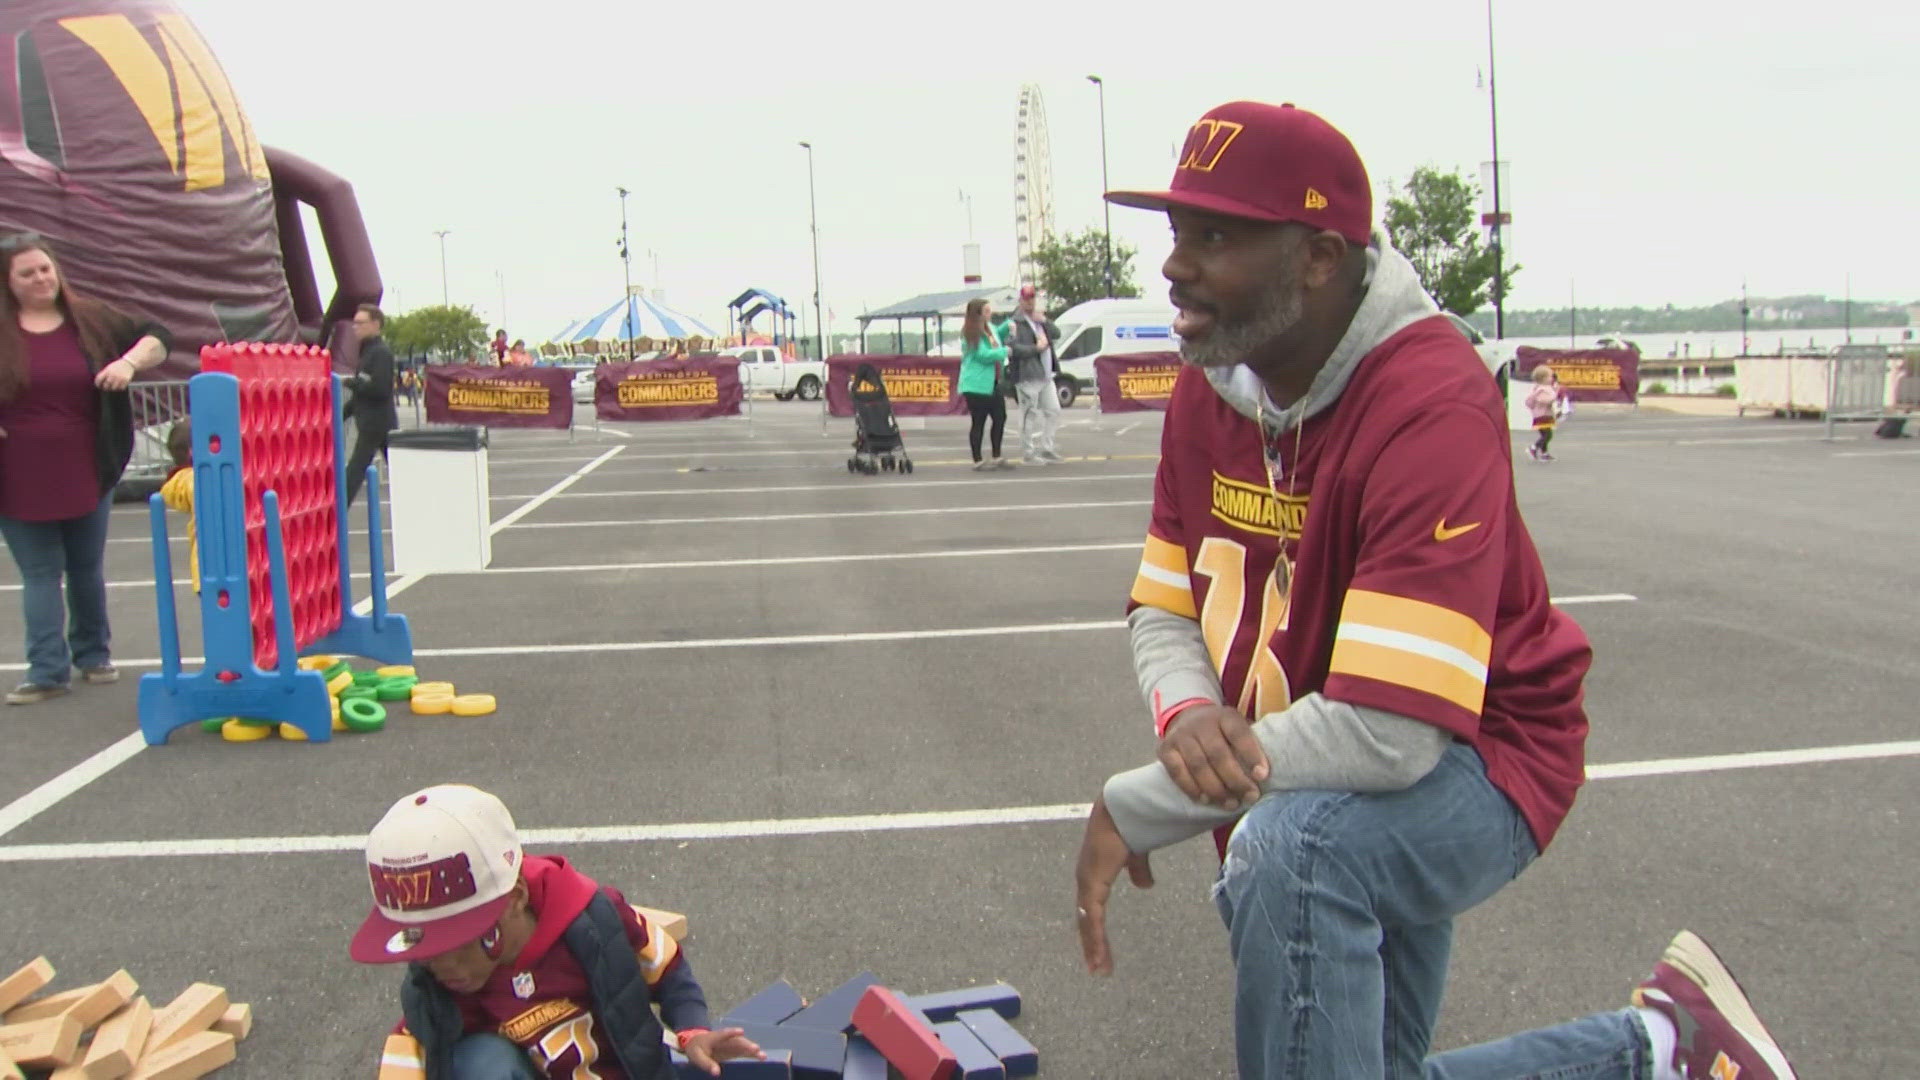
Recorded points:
(15, 241)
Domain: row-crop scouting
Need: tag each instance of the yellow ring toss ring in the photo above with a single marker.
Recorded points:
(238, 730)
(473, 705)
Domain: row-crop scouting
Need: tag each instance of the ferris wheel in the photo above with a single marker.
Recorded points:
(1032, 185)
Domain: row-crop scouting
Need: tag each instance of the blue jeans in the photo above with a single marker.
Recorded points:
(491, 1057)
(62, 636)
(1339, 909)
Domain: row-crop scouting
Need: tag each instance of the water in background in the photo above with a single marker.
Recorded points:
(1724, 344)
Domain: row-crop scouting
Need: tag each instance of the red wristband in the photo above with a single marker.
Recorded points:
(1166, 716)
(686, 1036)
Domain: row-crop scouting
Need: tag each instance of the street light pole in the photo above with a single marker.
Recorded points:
(626, 277)
(442, 234)
(813, 213)
(1745, 342)
(1107, 206)
(1499, 218)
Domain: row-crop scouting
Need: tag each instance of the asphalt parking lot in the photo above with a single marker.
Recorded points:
(850, 723)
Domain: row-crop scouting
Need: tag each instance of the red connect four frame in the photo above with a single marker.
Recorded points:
(286, 443)
(269, 505)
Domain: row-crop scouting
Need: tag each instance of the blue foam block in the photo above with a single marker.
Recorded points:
(834, 1012)
(778, 1066)
(863, 1061)
(769, 1006)
(817, 1054)
(941, 1008)
(1011, 1047)
(976, 1061)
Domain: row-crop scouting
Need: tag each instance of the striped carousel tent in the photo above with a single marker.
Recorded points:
(638, 317)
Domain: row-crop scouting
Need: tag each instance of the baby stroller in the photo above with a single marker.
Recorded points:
(876, 435)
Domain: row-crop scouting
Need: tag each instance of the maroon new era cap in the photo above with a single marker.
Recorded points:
(1268, 163)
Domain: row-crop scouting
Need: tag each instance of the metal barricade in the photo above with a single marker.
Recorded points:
(157, 406)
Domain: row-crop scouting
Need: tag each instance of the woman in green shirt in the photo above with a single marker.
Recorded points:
(980, 362)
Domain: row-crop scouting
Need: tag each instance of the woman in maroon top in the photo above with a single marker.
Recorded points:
(66, 431)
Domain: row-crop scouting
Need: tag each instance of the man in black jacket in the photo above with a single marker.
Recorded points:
(370, 403)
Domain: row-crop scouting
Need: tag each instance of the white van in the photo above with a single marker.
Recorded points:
(1111, 328)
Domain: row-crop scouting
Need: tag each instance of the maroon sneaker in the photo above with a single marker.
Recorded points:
(1720, 1036)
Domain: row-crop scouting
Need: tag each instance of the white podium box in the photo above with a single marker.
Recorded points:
(438, 500)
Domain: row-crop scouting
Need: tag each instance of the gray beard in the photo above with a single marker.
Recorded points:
(1280, 311)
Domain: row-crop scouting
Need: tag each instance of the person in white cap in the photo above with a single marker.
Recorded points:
(520, 967)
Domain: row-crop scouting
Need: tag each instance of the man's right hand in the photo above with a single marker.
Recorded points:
(1210, 751)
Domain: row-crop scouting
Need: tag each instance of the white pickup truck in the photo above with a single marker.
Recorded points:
(765, 370)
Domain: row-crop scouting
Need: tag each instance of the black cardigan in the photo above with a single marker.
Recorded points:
(113, 434)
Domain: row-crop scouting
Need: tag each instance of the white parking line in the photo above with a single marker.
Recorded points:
(698, 564)
(857, 824)
(835, 515)
(892, 485)
(1878, 453)
(783, 640)
(50, 794)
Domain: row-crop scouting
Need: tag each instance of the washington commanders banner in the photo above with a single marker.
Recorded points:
(916, 385)
(1586, 374)
(1136, 382)
(685, 388)
(499, 397)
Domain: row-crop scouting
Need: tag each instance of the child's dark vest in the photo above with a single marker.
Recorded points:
(621, 1000)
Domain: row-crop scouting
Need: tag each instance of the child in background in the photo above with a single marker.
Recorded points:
(1543, 401)
(177, 492)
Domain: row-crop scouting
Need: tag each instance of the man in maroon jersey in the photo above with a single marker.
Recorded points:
(520, 967)
(1344, 634)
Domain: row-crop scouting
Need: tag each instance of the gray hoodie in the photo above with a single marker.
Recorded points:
(1314, 743)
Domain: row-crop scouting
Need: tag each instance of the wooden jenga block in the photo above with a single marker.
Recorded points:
(187, 1059)
(194, 1011)
(25, 983)
(673, 924)
(88, 1004)
(237, 1021)
(116, 1046)
(43, 1043)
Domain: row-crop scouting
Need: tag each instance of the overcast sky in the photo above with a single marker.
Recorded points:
(1660, 151)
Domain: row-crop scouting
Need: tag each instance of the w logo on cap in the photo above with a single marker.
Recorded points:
(1207, 142)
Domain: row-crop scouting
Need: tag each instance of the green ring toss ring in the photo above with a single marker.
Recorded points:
(396, 687)
(366, 678)
(214, 723)
(334, 671)
(369, 693)
(363, 714)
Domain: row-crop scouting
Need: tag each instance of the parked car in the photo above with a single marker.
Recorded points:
(1495, 354)
(766, 370)
(1108, 328)
(583, 378)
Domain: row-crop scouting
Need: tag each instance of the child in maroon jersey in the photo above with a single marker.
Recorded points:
(520, 966)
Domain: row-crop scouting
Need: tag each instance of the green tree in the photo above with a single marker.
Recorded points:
(454, 332)
(1073, 269)
(1431, 219)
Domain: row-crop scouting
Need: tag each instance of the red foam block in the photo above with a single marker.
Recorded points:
(902, 1037)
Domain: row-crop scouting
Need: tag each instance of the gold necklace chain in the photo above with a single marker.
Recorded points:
(1282, 564)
